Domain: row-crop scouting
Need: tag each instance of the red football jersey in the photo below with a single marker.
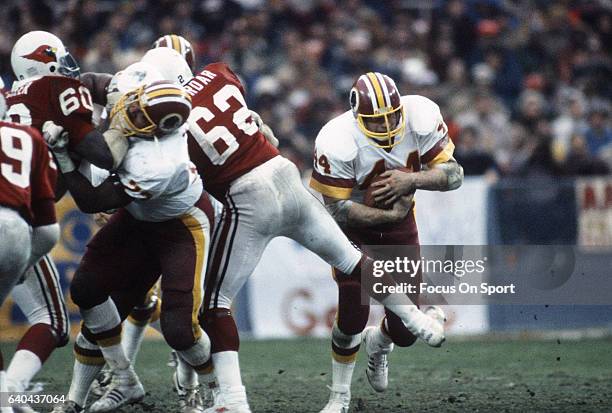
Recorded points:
(224, 141)
(63, 100)
(27, 174)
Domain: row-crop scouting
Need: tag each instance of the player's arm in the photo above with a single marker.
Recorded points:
(90, 199)
(97, 83)
(105, 150)
(357, 215)
(106, 196)
(334, 177)
(440, 171)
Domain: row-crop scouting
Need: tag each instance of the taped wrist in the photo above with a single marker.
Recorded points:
(340, 210)
(117, 144)
(64, 163)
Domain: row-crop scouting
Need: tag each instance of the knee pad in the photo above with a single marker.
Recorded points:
(178, 329)
(220, 326)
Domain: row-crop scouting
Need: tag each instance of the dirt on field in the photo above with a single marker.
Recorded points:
(471, 376)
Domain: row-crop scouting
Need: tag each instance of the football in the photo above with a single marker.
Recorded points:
(368, 197)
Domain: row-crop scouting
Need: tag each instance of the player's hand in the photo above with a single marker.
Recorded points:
(55, 136)
(264, 129)
(101, 218)
(401, 208)
(394, 184)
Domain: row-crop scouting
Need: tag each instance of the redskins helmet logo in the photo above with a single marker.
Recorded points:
(44, 54)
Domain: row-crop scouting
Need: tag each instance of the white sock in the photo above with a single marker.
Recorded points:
(24, 365)
(83, 374)
(199, 353)
(132, 339)
(3, 391)
(380, 338)
(227, 368)
(209, 380)
(342, 374)
(186, 375)
(102, 317)
(115, 357)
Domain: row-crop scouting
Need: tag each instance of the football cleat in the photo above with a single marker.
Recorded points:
(338, 402)
(190, 400)
(67, 407)
(125, 388)
(378, 365)
(100, 384)
(231, 400)
(427, 325)
(211, 395)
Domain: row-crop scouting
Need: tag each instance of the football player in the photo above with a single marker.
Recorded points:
(382, 133)
(48, 89)
(264, 198)
(28, 229)
(162, 227)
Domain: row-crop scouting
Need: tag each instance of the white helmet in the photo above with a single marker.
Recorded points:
(133, 76)
(170, 63)
(41, 53)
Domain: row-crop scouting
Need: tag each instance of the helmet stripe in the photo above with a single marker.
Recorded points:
(176, 45)
(167, 92)
(366, 81)
(385, 90)
(379, 94)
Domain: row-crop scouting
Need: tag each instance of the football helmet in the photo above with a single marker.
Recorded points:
(154, 109)
(378, 110)
(180, 44)
(170, 64)
(40, 53)
(130, 78)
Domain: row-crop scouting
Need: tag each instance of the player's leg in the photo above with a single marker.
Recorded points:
(351, 318)
(316, 230)
(14, 255)
(137, 322)
(40, 298)
(238, 243)
(184, 258)
(112, 258)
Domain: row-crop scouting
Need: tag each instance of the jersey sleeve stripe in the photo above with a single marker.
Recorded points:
(438, 147)
(338, 182)
(444, 155)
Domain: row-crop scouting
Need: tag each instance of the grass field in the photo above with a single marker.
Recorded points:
(472, 376)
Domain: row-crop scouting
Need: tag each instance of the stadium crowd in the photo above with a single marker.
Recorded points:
(523, 84)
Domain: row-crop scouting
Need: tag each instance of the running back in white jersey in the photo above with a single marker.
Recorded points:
(344, 159)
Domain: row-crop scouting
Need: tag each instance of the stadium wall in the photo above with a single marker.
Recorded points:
(292, 292)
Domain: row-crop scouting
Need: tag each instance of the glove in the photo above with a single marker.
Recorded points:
(264, 129)
(55, 136)
(57, 141)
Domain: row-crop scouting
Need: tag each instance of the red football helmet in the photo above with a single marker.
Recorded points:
(180, 44)
(378, 109)
(156, 109)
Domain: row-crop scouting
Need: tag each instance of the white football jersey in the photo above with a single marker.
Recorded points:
(345, 159)
(158, 174)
